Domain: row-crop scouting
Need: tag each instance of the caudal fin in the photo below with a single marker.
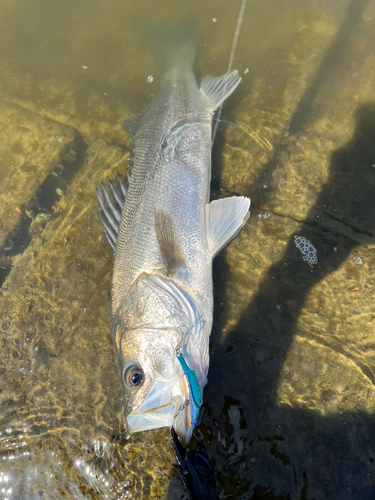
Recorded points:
(175, 45)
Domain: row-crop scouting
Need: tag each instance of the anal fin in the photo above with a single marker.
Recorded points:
(217, 89)
(224, 220)
(169, 242)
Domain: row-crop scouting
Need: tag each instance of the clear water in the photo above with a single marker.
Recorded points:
(289, 407)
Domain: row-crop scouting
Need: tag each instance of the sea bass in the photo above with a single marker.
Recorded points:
(164, 234)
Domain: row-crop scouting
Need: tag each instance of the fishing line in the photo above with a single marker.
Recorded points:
(231, 57)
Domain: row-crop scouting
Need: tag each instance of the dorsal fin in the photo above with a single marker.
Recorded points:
(217, 89)
(169, 241)
(224, 220)
(112, 199)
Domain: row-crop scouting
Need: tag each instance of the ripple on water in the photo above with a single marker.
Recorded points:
(94, 466)
(30, 470)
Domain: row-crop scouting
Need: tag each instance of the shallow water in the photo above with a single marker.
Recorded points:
(289, 407)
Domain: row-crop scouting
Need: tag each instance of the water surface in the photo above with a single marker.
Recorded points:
(289, 407)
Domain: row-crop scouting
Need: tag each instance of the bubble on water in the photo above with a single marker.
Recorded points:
(214, 20)
(246, 71)
(150, 78)
(308, 251)
(358, 260)
(264, 216)
(85, 67)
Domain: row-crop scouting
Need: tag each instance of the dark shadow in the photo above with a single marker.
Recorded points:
(278, 451)
(220, 268)
(48, 193)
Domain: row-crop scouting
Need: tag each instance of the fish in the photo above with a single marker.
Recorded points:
(164, 233)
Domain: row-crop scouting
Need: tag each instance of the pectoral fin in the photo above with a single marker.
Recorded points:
(224, 220)
(217, 89)
(169, 241)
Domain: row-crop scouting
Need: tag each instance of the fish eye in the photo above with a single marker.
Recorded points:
(133, 376)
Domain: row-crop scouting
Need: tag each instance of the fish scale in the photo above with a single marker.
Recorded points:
(152, 183)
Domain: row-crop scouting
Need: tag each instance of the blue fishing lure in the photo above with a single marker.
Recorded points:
(195, 390)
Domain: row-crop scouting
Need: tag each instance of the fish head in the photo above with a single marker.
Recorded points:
(152, 381)
(149, 373)
(149, 329)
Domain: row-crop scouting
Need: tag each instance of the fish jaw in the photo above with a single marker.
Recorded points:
(153, 413)
(169, 403)
(144, 419)
(170, 415)
(159, 400)
(165, 397)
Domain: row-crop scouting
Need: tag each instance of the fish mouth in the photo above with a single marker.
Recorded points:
(159, 408)
(166, 405)
(171, 402)
(174, 414)
(163, 416)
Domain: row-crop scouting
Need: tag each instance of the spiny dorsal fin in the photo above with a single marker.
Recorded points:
(169, 241)
(112, 198)
(217, 89)
(224, 220)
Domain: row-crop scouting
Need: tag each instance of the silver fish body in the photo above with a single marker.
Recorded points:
(165, 233)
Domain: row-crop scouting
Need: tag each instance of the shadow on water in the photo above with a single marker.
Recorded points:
(276, 448)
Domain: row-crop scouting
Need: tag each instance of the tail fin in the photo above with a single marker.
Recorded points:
(175, 45)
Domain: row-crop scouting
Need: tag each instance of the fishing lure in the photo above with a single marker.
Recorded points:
(195, 401)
